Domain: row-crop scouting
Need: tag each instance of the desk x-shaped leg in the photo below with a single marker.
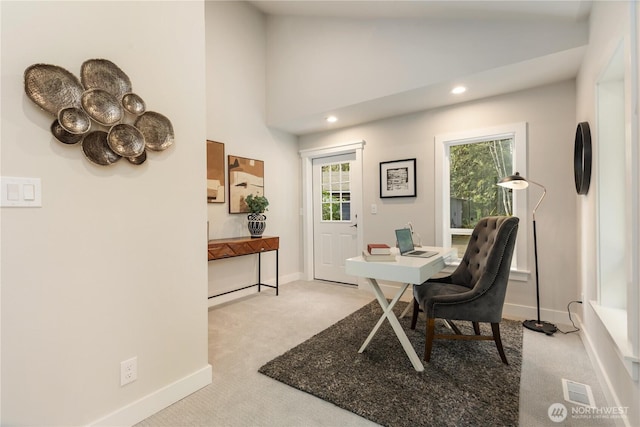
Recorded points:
(387, 308)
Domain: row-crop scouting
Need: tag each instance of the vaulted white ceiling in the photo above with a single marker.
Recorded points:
(367, 60)
(566, 10)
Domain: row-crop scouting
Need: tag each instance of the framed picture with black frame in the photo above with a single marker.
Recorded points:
(398, 178)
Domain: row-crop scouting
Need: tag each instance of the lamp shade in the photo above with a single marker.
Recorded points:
(514, 182)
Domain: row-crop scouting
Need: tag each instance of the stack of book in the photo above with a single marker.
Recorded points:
(378, 252)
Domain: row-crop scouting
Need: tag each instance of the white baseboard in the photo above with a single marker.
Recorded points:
(511, 311)
(253, 290)
(143, 408)
(523, 312)
(601, 373)
(388, 289)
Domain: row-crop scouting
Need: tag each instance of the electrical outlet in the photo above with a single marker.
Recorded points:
(128, 371)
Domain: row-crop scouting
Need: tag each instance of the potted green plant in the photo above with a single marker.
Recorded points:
(257, 205)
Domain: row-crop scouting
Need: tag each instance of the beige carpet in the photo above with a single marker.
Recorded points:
(246, 334)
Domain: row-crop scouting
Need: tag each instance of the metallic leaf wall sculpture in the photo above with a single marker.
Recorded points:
(99, 110)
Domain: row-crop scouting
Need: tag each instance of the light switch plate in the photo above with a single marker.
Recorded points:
(29, 192)
(20, 192)
(13, 192)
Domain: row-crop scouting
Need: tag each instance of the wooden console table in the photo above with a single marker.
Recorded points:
(239, 246)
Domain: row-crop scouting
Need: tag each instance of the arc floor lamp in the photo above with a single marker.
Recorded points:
(517, 182)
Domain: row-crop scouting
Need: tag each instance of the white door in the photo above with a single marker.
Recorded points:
(335, 232)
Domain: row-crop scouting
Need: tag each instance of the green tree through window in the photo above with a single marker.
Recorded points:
(474, 171)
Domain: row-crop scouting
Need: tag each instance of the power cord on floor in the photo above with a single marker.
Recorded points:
(575, 328)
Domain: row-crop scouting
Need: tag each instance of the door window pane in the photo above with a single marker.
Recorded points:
(336, 192)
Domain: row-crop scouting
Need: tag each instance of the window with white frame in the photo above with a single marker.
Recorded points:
(618, 207)
(468, 166)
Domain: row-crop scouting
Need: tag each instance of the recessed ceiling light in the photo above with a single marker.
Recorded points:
(458, 90)
(332, 119)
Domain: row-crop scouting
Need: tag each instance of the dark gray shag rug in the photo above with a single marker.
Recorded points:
(465, 384)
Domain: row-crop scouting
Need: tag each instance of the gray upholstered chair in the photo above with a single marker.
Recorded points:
(475, 291)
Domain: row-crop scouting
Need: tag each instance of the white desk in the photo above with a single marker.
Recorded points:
(407, 270)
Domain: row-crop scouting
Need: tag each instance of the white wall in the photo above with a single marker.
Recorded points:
(550, 114)
(113, 265)
(236, 102)
(357, 60)
(609, 25)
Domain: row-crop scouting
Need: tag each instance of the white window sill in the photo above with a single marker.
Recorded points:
(615, 322)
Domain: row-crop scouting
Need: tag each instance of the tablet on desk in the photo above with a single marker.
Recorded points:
(405, 245)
